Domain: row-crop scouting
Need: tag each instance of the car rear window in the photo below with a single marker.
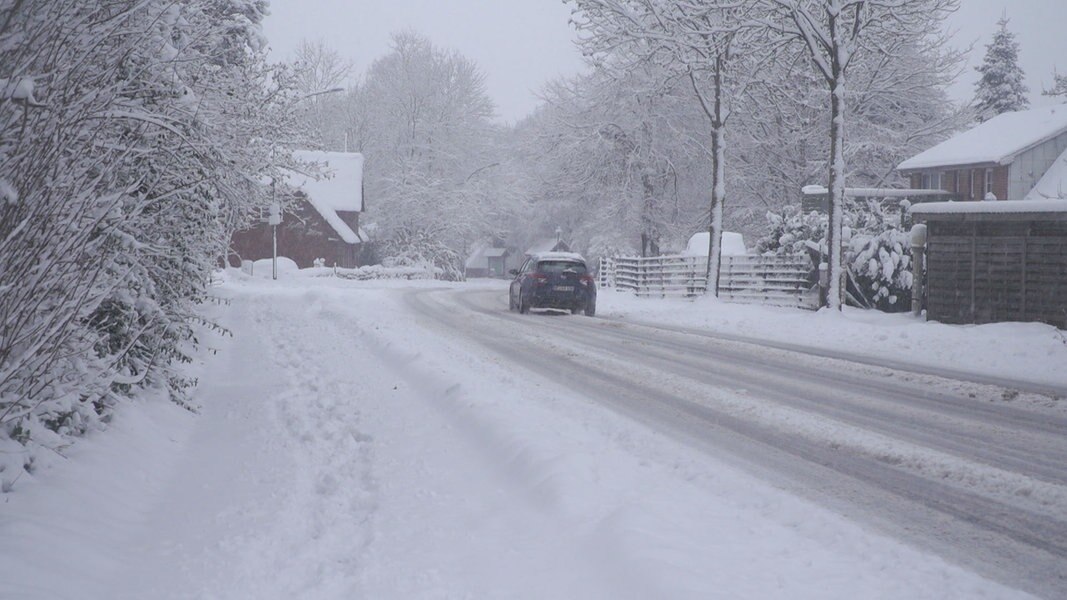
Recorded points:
(558, 266)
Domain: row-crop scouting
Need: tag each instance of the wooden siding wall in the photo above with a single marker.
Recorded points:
(958, 181)
(985, 272)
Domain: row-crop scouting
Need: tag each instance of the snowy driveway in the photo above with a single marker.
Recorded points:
(362, 440)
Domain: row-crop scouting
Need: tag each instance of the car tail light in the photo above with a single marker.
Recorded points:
(587, 280)
(539, 278)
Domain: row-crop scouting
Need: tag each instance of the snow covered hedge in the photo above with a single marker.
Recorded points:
(369, 272)
(131, 146)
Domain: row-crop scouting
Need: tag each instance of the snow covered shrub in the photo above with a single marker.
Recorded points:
(134, 145)
(881, 266)
(792, 232)
(876, 250)
(879, 256)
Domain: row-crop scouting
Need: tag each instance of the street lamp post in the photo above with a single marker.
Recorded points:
(275, 208)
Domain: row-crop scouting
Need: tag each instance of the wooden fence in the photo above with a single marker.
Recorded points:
(990, 268)
(773, 280)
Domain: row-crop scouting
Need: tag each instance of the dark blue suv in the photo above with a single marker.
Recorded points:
(559, 280)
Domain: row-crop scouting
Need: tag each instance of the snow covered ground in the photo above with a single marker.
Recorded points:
(347, 448)
(1032, 352)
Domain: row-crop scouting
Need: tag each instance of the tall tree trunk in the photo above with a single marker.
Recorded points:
(718, 184)
(649, 236)
(837, 183)
(718, 197)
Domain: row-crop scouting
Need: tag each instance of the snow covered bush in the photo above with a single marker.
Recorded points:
(792, 232)
(126, 164)
(877, 252)
(881, 267)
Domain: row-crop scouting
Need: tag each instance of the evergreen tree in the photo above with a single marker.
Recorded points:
(1001, 88)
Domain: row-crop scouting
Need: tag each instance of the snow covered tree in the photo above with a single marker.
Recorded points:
(317, 68)
(424, 121)
(700, 42)
(608, 155)
(1059, 86)
(1000, 88)
(832, 34)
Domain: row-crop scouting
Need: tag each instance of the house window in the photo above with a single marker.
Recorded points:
(988, 182)
(973, 192)
(930, 181)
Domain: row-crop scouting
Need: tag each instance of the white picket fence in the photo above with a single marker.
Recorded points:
(749, 279)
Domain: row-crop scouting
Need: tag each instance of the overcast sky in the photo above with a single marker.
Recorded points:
(521, 44)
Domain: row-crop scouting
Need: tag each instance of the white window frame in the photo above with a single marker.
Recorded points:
(988, 182)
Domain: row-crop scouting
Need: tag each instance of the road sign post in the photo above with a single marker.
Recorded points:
(274, 220)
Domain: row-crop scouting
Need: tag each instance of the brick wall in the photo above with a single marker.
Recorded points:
(303, 236)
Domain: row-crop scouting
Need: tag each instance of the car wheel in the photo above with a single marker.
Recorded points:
(576, 310)
(590, 309)
(523, 306)
(511, 302)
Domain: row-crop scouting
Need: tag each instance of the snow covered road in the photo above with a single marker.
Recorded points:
(417, 440)
(976, 473)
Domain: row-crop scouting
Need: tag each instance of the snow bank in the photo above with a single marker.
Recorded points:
(1026, 351)
(369, 272)
(264, 267)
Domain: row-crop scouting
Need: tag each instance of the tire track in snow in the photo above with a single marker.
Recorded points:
(541, 480)
(1026, 549)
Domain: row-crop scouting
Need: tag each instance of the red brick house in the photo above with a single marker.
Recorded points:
(324, 224)
(1006, 156)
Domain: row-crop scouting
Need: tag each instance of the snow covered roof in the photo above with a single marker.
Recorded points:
(1053, 184)
(338, 188)
(341, 185)
(478, 258)
(732, 244)
(998, 140)
(990, 207)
